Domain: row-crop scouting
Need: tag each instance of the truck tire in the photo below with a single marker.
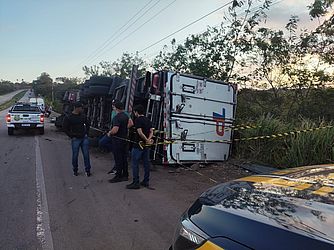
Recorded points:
(100, 80)
(41, 131)
(117, 83)
(10, 131)
(99, 90)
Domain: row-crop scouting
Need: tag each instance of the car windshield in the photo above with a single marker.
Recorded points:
(26, 108)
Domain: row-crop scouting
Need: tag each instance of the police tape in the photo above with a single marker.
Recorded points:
(233, 127)
(274, 136)
(142, 144)
(285, 134)
(178, 141)
(244, 127)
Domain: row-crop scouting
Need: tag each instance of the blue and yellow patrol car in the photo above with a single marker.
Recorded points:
(288, 209)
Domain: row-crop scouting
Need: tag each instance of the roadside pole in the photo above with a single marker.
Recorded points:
(131, 89)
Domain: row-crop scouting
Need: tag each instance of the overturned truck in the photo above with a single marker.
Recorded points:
(192, 115)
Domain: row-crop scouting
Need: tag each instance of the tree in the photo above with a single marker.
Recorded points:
(6, 87)
(121, 67)
(288, 63)
(44, 78)
(320, 8)
(71, 80)
(91, 71)
(219, 51)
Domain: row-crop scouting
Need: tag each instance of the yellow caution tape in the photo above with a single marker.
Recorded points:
(232, 127)
(280, 135)
(243, 127)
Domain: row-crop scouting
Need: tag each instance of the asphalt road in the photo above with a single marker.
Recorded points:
(42, 206)
(7, 97)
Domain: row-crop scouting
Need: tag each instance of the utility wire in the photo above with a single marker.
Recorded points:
(151, 55)
(101, 47)
(188, 25)
(134, 31)
(143, 14)
(112, 37)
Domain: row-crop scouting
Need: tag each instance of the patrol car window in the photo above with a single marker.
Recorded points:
(26, 108)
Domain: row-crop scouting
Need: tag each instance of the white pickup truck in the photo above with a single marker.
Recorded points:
(25, 116)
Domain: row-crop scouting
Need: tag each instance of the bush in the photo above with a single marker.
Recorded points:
(59, 90)
(288, 105)
(315, 147)
(6, 87)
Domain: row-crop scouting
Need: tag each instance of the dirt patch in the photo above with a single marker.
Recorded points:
(198, 176)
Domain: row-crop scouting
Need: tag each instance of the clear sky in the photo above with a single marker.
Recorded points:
(58, 36)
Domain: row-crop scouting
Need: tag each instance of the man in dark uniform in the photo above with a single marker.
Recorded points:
(119, 135)
(76, 126)
(144, 135)
(105, 142)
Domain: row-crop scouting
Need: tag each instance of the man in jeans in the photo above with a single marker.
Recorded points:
(76, 127)
(119, 136)
(143, 136)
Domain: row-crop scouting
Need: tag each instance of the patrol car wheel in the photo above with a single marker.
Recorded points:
(10, 131)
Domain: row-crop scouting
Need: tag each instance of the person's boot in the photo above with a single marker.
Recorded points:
(133, 185)
(116, 179)
(144, 184)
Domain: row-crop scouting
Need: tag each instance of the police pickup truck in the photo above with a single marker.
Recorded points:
(25, 116)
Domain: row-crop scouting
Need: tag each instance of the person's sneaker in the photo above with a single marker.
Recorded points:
(88, 173)
(133, 185)
(113, 171)
(75, 173)
(144, 184)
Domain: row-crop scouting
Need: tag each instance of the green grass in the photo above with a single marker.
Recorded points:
(314, 147)
(11, 102)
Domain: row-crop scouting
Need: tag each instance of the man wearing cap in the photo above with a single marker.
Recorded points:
(76, 126)
(119, 135)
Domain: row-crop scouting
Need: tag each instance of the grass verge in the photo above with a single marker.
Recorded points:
(300, 149)
(11, 102)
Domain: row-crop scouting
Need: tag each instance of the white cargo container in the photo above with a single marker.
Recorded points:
(197, 112)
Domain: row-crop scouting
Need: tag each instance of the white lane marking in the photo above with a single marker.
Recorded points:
(43, 231)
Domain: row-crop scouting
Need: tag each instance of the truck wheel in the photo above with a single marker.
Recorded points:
(41, 131)
(10, 131)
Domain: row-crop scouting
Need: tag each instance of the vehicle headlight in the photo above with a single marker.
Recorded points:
(188, 235)
(187, 231)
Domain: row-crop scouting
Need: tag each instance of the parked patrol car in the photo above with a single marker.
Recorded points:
(25, 116)
(288, 209)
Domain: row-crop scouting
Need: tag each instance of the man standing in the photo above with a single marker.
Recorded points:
(76, 127)
(144, 135)
(119, 135)
(106, 141)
